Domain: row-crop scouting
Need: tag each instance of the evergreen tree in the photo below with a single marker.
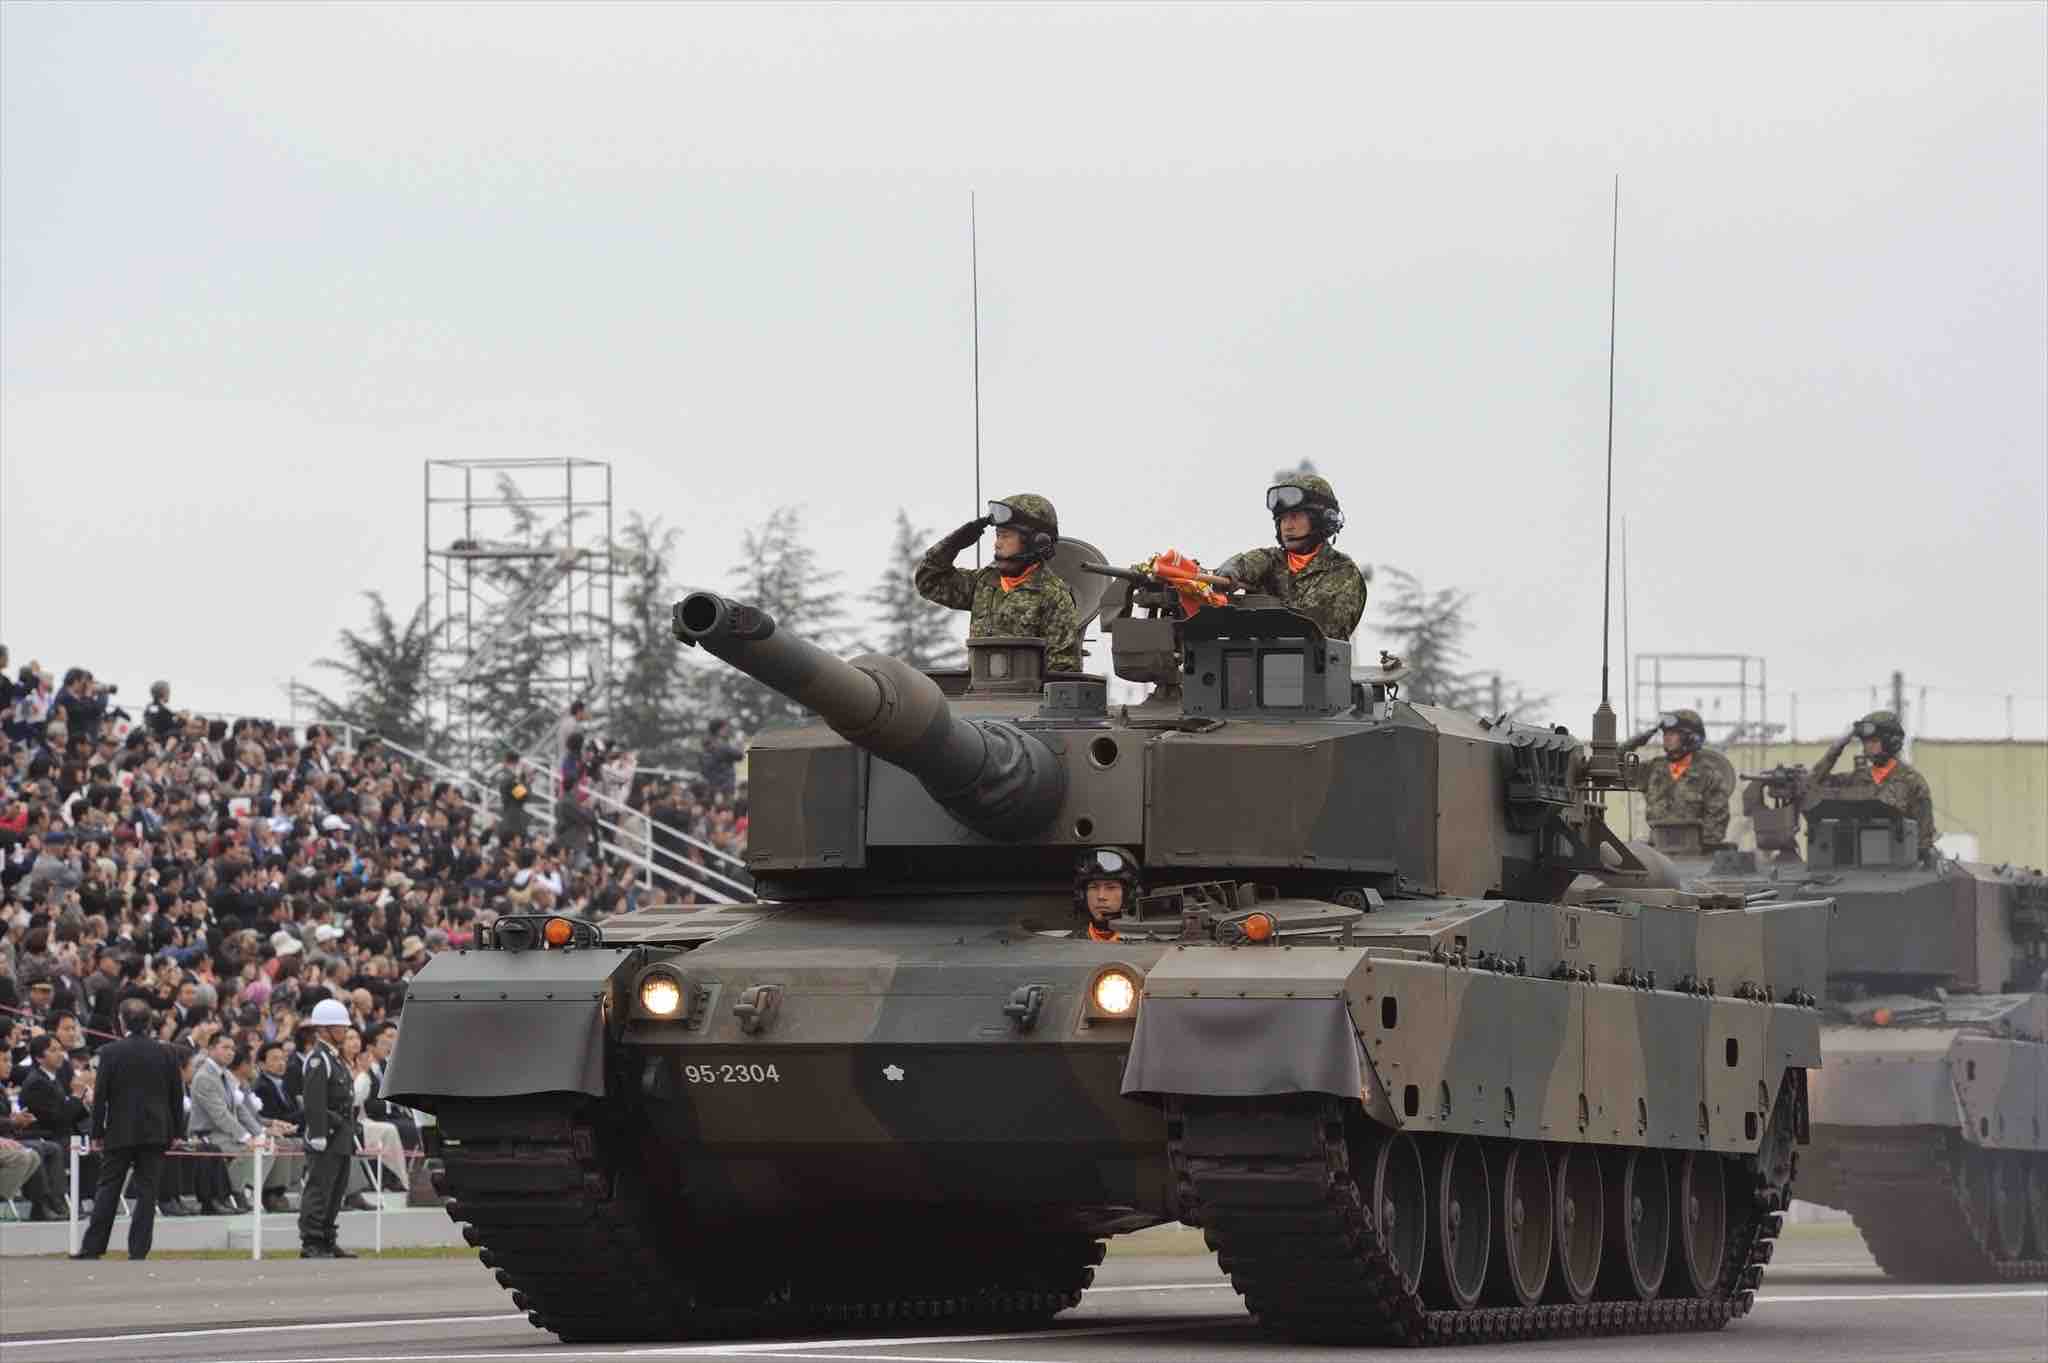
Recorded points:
(780, 573)
(920, 632)
(648, 708)
(385, 670)
(1431, 628)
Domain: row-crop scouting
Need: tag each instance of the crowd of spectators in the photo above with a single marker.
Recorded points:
(234, 873)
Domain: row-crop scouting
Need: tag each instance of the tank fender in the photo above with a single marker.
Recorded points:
(1249, 1023)
(505, 1024)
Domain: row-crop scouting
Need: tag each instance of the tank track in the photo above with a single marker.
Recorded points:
(1914, 1212)
(547, 1207)
(1270, 1183)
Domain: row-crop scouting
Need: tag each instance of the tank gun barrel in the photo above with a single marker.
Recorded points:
(992, 776)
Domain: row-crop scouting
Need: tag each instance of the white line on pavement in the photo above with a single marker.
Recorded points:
(784, 1349)
(275, 1327)
(1803, 1300)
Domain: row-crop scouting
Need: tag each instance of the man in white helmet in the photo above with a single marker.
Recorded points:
(330, 1099)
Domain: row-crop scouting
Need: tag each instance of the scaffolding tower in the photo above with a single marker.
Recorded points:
(1730, 690)
(519, 577)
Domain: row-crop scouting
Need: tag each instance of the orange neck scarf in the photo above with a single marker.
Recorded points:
(1878, 774)
(1098, 933)
(1011, 584)
(1680, 766)
(1296, 562)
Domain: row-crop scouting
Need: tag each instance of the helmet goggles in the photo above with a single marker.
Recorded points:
(1105, 862)
(1286, 497)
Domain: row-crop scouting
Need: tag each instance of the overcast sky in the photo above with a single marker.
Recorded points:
(258, 264)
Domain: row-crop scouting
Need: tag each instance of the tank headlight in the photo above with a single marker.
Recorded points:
(1116, 993)
(558, 932)
(661, 994)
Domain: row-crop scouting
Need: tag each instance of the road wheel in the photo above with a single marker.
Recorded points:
(1522, 1223)
(1578, 1220)
(1400, 1202)
(1700, 1198)
(1639, 1221)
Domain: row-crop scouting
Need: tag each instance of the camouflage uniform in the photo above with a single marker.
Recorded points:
(1328, 590)
(1041, 606)
(1699, 792)
(1902, 788)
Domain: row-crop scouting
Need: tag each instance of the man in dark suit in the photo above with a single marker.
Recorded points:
(138, 1109)
(273, 1095)
(50, 1093)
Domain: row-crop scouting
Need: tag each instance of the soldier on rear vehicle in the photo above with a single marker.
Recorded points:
(1305, 571)
(1689, 782)
(1881, 774)
(1018, 594)
(1106, 887)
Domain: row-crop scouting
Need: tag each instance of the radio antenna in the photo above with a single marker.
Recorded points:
(1607, 524)
(974, 274)
(1603, 767)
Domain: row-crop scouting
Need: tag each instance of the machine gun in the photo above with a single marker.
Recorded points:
(1774, 801)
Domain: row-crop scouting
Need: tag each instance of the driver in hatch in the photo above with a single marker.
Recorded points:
(1106, 887)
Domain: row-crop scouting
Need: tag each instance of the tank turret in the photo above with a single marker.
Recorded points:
(992, 776)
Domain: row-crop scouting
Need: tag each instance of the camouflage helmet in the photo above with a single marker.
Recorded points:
(1106, 863)
(1034, 517)
(1884, 726)
(1310, 492)
(1688, 724)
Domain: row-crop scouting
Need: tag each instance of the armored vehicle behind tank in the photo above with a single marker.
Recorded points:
(1349, 1030)
(1930, 1123)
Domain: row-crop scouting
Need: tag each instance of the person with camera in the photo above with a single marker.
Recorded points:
(138, 1110)
(84, 703)
(158, 715)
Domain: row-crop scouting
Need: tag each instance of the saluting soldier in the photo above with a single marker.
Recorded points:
(1883, 775)
(1018, 594)
(1305, 571)
(330, 1134)
(1689, 782)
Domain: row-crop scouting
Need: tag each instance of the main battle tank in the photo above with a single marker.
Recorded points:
(1930, 1121)
(1349, 1030)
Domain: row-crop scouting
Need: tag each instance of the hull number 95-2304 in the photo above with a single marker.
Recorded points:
(731, 1074)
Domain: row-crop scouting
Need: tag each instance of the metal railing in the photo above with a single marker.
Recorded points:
(618, 806)
(634, 842)
(370, 1163)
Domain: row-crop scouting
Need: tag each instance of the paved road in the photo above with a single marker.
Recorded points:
(1824, 1301)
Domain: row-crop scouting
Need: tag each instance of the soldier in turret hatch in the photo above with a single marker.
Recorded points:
(1106, 887)
(1305, 571)
(1018, 594)
(1689, 782)
(1883, 775)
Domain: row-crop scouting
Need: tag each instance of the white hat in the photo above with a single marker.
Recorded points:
(326, 932)
(285, 944)
(332, 824)
(330, 1013)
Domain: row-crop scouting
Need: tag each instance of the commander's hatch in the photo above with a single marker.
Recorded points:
(1090, 590)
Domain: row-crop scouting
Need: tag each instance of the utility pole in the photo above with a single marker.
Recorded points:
(1498, 708)
(1899, 695)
